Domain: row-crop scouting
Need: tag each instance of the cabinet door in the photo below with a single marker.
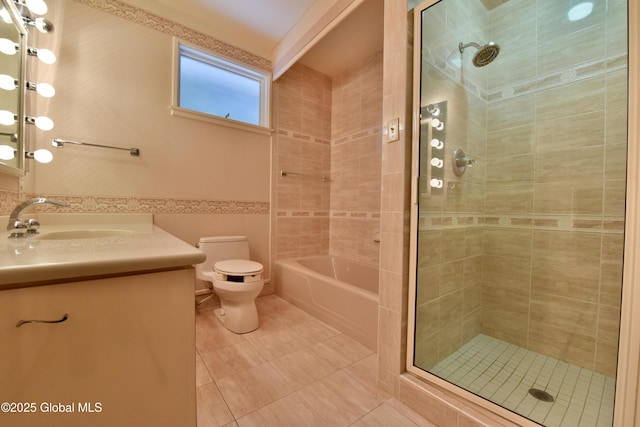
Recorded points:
(124, 356)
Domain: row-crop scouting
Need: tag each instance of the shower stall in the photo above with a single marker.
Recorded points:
(519, 202)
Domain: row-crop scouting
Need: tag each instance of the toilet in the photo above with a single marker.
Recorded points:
(236, 280)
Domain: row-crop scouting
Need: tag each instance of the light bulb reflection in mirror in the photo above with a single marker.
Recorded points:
(7, 152)
(8, 47)
(436, 183)
(7, 118)
(7, 82)
(436, 143)
(437, 124)
(5, 16)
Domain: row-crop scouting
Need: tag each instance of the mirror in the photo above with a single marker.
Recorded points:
(12, 65)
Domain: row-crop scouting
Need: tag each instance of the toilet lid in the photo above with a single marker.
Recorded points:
(238, 267)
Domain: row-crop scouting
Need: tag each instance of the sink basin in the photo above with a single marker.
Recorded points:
(81, 234)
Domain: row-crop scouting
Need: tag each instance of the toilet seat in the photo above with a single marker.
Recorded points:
(238, 270)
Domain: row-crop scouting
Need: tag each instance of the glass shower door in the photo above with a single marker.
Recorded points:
(518, 230)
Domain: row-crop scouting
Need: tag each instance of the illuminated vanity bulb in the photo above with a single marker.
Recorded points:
(44, 89)
(44, 123)
(437, 124)
(7, 82)
(436, 143)
(46, 56)
(39, 7)
(436, 183)
(8, 47)
(7, 152)
(42, 156)
(7, 118)
(436, 162)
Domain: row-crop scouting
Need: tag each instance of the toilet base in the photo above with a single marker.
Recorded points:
(238, 318)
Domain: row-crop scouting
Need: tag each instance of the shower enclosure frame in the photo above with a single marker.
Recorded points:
(627, 398)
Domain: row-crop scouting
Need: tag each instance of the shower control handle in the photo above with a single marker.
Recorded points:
(461, 161)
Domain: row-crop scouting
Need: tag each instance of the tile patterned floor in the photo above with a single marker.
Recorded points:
(292, 371)
(504, 373)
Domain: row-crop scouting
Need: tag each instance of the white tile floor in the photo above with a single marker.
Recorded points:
(504, 373)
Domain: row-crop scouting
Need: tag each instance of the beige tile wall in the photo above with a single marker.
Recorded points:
(356, 156)
(547, 193)
(329, 127)
(302, 145)
(558, 169)
(449, 309)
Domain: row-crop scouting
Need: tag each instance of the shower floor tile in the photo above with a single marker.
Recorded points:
(503, 373)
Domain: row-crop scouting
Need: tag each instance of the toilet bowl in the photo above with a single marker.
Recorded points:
(236, 280)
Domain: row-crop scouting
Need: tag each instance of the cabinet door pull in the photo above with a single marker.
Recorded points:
(22, 322)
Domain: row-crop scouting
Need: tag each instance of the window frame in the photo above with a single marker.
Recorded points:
(225, 63)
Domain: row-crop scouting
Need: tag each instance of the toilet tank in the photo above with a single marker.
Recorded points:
(220, 248)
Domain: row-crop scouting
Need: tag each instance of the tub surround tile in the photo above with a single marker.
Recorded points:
(329, 126)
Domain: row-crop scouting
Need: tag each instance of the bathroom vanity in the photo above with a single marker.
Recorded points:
(97, 324)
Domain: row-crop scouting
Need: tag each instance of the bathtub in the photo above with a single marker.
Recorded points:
(340, 292)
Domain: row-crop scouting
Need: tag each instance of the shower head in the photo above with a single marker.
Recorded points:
(485, 54)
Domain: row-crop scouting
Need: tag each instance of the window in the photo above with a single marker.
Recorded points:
(217, 87)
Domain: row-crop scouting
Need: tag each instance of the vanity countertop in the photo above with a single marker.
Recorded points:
(111, 245)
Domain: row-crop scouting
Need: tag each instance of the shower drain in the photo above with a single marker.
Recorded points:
(541, 395)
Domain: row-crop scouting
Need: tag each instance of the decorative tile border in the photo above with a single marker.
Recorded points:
(328, 214)
(374, 131)
(166, 26)
(550, 80)
(98, 204)
(302, 214)
(303, 137)
(560, 77)
(591, 224)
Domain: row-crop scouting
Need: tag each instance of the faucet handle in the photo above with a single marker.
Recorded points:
(19, 225)
(18, 229)
(32, 226)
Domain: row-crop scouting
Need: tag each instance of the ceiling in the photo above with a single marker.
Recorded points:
(258, 26)
(355, 38)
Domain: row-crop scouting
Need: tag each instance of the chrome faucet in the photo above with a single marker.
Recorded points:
(29, 227)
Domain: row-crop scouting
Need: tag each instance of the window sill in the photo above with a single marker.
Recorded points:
(194, 115)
